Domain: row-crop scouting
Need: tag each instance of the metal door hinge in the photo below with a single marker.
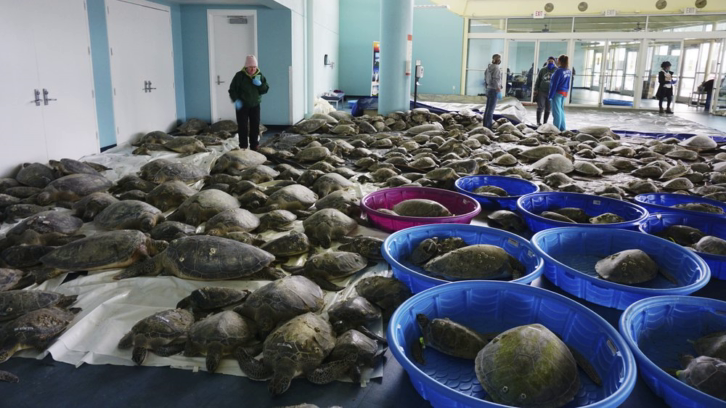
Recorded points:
(37, 97)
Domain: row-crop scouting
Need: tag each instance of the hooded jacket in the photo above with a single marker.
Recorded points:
(243, 89)
(543, 80)
(493, 77)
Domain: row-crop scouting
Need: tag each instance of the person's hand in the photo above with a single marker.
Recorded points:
(535, 94)
(257, 81)
(238, 104)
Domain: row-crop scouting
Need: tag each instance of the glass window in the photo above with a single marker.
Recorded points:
(609, 24)
(479, 56)
(685, 23)
(487, 26)
(539, 25)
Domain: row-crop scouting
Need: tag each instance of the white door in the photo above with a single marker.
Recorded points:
(232, 36)
(141, 51)
(64, 63)
(23, 138)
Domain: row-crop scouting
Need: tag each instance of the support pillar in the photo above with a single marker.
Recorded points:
(394, 93)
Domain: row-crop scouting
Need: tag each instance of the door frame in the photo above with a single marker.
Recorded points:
(210, 45)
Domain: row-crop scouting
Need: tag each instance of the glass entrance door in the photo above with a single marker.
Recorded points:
(520, 69)
(700, 65)
(656, 54)
(587, 71)
(719, 104)
(620, 73)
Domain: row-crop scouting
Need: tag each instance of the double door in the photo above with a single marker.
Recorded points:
(142, 68)
(525, 58)
(47, 103)
(605, 72)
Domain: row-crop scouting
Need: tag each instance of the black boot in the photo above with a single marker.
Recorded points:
(661, 109)
(668, 110)
(539, 116)
(546, 117)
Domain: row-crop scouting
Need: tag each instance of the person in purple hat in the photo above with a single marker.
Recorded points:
(542, 90)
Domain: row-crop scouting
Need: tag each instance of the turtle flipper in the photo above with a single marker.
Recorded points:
(138, 355)
(279, 383)
(67, 301)
(417, 351)
(355, 374)
(372, 335)
(126, 341)
(672, 279)
(185, 303)
(214, 356)
(254, 369)
(43, 274)
(585, 366)
(145, 268)
(333, 370)
(267, 273)
(169, 350)
(8, 377)
(324, 284)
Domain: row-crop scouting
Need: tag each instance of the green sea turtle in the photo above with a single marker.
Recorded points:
(70, 166)
(161, 170)
(712, 345)
(169, 195)
(630, 267)
(15, 303)
(35, 175)
(232, 220)
(202, 206)
(476, 262)
(11, 279)
(44, 228)
(278, 220)
(91, 205)
(164, 333)
(210, 299)
(357, 343)
(171, 230)
(700, 207)
(682, 234)
(328, 225)
(706, 374)
(418, 207)
(448, 337)
(385, 292)
(332, 265)
(369, 247)
(344, 201)
(193, 126)
(129, 214)
(711, 245)
(607, 218)
(72, 188)
(294, 243)
(219, 335)
(355, 312)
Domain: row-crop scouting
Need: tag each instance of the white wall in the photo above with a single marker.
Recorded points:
(326, 39)
(297, 81)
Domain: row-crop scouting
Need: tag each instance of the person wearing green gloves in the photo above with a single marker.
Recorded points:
(246, 92)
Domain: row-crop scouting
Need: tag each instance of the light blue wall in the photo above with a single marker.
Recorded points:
(437, 42)
(360, 25)
(102, 67)
(274, 41)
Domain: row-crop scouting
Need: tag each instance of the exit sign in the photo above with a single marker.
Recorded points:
(538, 14)
(611, 13)
(689, 10)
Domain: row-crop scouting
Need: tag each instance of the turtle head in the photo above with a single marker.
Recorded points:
(280, 381)
(423, 321)
(157, 246)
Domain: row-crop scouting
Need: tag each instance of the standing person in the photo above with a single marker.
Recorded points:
(559, 87)
(246, 92)
(708, 89)
(665, 88)
(542, 90)
(493, 78)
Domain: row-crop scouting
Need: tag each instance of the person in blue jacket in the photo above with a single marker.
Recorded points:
(559, 87)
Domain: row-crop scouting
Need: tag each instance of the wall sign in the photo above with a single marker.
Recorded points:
(376, 67)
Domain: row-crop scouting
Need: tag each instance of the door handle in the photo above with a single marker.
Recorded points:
(45, 97)
(37, 97)
(218, 81)
(150, 88)
(146, 86)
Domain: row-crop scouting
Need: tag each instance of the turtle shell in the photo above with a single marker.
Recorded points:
(629, 267)
(169, 195)
(35, 175)
(73, 188)
(330, 182)
(45, 222)
(16, 303)
(129, 214)
(476, 262)
(528, 366)
(419, 207)
(328, 225)
(706, 374)
(204, 205)
(236, 219)
(159, 329)
(105, 250)
(712, 345)
(227, 328)
(292, 197)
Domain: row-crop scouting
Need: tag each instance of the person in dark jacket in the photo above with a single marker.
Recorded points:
(542, 90)
(559, 87)
(707, 87)
(665, 88)
(246, 92)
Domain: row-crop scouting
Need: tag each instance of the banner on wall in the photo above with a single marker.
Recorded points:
(376, 67)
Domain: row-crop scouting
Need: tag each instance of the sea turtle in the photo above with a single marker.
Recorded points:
(711, 245)
(680, 183)
(169, 195)
(12, 279)
(491, 191)
(44, 228)
(297, 347)
(235, 219)
(37, 329)
(344, 201)
(329, 183)
(36, 175)
(354, 313)
(278, 220)
(641, 187)
(607, 218)
(537, 153)
(419, 207)
(164, 333)
(154, 137)
(238, 159)
(369, 247)
(193, 127)
(259, 174)
(699, 143)
(25, 256)
(332, 265)
(204, 257)
(105, 250)
(132, 182)
(448, 337)
(310, 126)
(712, 345)
(575, 214)
(706, 374)
(70, 166)
(129, 214)
(202, 206)
(294, 243)
(292, 198)
(72, 188)
(308, 177)
(476, 262)
(529, 366)
(554, 163)
(146, 149)
(23, 191)
(700, 207)
(186, 145)
(8, 200)
(224, 126)
(587, 169)
(210, 299)
(161, 170)
(630, 267)
(683, 154)
(15, 303)
(507, 220)
(219, 335)
(280, 301)
(426, 250)
(328, 225)
(648, 172)
(91, 205)
(171, 230)
(555, 180)
(551, 215)
(312, 154)
(356, 343)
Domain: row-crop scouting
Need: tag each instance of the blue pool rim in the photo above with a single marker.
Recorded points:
(695, 199)
(631, 224)
(526, 279)
(651, 368)
(614, 400)
(700, 283)
(496, 203)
